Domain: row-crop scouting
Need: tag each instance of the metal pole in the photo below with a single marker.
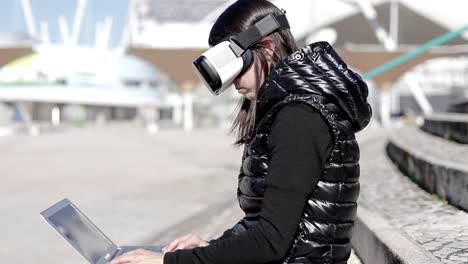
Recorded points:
(414, 53)
(78, 21)
(385, 107)
(418, 94)
(55, 115)
(45, 38)
(28, 16)
(371, 15)
(394, 21)
(97, 37)
(106, 33)
(188, 111)
(63, 26)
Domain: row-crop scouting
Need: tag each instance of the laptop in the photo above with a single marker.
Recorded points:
(83, 235)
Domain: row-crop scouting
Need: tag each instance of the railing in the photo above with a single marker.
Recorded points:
(414, 53)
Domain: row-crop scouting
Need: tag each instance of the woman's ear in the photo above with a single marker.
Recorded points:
(268, 46)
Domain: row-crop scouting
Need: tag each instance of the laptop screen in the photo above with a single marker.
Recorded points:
(80, 233)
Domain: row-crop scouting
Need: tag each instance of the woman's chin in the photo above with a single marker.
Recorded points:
(248, 96)
(245, 94)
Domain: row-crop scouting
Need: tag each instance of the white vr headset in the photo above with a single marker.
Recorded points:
(222, 64)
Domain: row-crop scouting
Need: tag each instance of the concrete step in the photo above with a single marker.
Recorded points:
(461, 107)
(397, 221)
(437, 165)
(453, 126)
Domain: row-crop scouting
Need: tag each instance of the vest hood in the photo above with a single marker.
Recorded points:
(317, 70)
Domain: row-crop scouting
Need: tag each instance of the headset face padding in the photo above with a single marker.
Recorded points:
(248, 60)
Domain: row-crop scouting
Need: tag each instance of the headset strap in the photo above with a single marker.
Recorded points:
(246, 39)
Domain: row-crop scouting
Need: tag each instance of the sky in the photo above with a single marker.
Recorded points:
(12, 19)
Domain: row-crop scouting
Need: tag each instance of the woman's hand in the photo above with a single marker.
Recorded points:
(139, 256)
(185, 242)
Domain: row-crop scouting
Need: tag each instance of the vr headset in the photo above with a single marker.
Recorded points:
(222, 64)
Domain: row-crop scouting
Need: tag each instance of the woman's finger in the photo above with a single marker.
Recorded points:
(181, 245)
(188, 243)
(129, 257)
(173, 244)
(125, 259)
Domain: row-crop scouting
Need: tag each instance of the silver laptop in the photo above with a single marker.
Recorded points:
(83, 235)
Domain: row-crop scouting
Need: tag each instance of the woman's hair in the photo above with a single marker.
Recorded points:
(237, 18)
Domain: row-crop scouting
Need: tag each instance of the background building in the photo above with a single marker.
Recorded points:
(169, 34)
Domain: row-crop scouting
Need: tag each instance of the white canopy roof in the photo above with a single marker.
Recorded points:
(304, 16)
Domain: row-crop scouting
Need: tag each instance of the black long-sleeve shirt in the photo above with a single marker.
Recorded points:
(300, 141)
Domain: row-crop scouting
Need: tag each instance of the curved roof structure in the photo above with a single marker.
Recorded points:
(183, 11)
(414, 28)
(305, 17)
(88, 67)
(170, 33)
(13, 39)
(95, 78)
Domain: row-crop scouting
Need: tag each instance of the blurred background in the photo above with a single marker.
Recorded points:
(99, 103)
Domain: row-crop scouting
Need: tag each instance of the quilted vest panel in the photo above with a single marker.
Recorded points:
(316, 76)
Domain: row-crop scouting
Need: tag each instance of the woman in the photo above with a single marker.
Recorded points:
(298, 182)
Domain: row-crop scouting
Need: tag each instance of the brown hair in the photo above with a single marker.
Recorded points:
(237, 18)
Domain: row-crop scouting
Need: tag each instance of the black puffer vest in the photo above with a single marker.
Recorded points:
(316, 76)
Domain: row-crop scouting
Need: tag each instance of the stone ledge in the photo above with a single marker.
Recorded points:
(461, 107)
(440, 229)
(376, 241)
(438, 166)
(452, 126)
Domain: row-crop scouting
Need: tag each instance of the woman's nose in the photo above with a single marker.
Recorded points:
(236, 82)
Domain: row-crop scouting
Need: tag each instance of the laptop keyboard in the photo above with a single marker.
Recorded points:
(131, 248)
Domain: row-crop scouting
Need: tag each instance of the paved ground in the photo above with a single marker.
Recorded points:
(438, 227)
(138, 188)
